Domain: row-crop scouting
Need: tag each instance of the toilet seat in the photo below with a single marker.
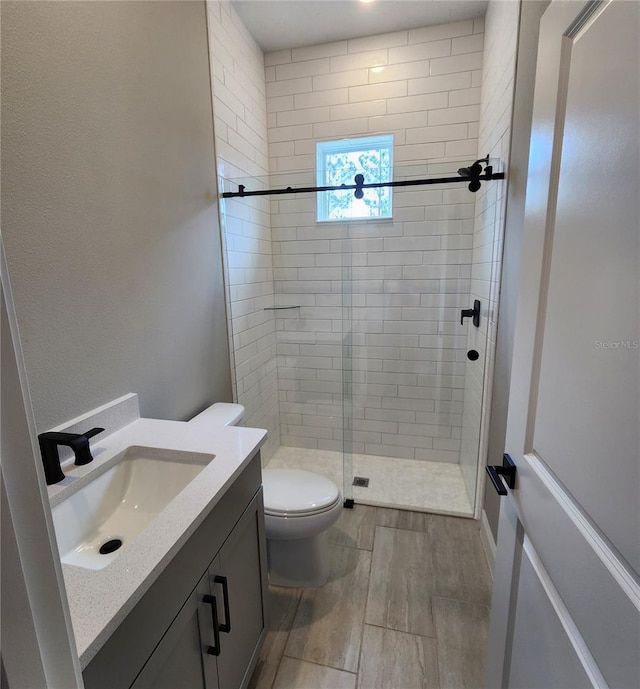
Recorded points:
(301, 526)
(293, 493)
(298, 515)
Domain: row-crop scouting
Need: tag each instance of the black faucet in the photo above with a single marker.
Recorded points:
(78, 442)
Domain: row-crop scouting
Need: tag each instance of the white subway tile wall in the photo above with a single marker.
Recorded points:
(501, 35)
(381, 298)
(408, 278)
(399, 82)
(240, 120)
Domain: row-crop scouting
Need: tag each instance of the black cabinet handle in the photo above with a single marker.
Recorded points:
(219, 579)
(215, 649)
(508, 470)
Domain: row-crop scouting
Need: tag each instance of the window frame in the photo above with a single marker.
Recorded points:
(364, 143)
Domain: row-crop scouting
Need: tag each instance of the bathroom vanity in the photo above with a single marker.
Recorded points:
(174, 637)
(183, 602)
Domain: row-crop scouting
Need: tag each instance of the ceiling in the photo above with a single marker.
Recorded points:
(279, 24)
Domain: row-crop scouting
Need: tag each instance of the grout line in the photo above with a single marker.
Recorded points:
(435, 627)
(460, 600)
(313, 662)
(438, 641)
(284, 645)
(401, 631)
(366, 603)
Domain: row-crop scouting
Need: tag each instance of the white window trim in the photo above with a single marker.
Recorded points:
(323, 148)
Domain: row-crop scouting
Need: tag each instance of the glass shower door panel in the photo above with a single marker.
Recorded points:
(347, 372)
(307, 274)
(355, 329)
(410, 278)
(485, 287)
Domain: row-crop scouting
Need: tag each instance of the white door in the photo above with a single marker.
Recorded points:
(566, 602)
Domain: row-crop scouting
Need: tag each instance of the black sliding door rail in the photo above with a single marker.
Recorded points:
(470, 175)
(343, 187)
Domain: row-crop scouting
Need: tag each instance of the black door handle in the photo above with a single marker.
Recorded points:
(219, 579)
(215, 649)
(473, 313)
(508, 470)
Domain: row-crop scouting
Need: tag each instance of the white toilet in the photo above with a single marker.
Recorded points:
(299, 508)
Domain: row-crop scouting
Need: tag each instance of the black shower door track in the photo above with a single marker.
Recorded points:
(344, 187)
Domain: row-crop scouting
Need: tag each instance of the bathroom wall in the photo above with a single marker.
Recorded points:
(240, 123)
(422, 85)
(409, 276)
(501, 41)
(109, 213)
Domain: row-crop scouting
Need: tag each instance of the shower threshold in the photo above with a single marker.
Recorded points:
(408, 484)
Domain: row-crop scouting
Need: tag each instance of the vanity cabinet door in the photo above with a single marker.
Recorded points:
(181, 658)
(240, 568)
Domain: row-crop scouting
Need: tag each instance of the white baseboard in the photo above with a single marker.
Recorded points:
(487, 540)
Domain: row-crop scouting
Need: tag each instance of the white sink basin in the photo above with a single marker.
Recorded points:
(119, 503)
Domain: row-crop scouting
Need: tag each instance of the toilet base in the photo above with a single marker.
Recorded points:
(299, 563)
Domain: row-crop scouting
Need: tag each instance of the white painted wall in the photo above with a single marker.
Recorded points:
(109, 206)
(410, 276)
(239, 106)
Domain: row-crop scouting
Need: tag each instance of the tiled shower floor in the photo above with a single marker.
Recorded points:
(400, 483)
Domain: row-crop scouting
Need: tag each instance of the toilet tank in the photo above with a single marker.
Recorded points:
(220, 414)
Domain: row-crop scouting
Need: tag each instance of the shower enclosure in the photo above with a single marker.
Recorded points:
(381, 358)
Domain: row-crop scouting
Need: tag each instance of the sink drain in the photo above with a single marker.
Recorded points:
(110, 546)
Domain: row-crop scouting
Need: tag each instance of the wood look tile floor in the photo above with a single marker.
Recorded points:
(406, 607)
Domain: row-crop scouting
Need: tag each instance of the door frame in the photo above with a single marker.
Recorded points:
(512, 539)
(531, 12)
(39, 572)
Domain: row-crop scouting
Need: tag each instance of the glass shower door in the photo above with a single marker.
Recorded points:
(413, 395)
(347, 339)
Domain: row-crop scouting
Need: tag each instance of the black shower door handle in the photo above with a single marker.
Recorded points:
(508, 470)
(473, 313)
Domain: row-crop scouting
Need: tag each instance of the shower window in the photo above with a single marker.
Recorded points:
(338, 162)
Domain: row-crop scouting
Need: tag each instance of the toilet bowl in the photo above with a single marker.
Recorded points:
(299, 508)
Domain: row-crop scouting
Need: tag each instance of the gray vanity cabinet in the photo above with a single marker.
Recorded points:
(178, 660)
(165, 640)
(233, 587)
(239, 569)
(235, 580)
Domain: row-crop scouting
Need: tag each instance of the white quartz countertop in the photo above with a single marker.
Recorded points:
(99, 600)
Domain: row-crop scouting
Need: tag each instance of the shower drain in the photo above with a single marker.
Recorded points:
(110, 546)
(361, 481)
